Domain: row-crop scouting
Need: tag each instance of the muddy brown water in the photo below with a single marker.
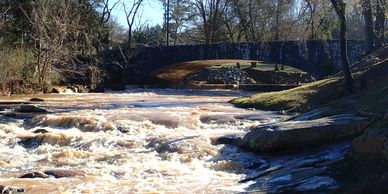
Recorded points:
(146, 141)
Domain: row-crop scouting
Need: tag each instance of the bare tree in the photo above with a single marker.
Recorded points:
(59, 33)
(107, 10)
(340, 9)
(367, 12)
(381, 8)
(131, 12)
(210, 13)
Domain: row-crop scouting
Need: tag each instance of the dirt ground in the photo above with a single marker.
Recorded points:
(176, 73)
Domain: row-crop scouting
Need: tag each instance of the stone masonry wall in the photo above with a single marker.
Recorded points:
(320, 58)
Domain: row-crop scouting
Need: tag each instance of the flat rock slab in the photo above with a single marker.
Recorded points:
(54, 173)
(25, 108)
(299, 134)
(64, 173)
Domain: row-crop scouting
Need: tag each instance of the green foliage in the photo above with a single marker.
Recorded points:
(42, 39)
(151, 36)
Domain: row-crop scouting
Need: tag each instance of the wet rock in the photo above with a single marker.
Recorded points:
(371, 61)
(170, 146)
(233, 139)
(64, 173)
(167, 122)
(10, 114)
(10, 190)
(34, 175)
(162, 146)
(31, 142)
(217, 119)
(314, 114)
(297, 134)
(317, 182)
(229, 166)
(26, 108)
(374, 141)
(36, 100)
(385, 118)
(40, 131)
(54, 173)
(57, 90)
(306, 171)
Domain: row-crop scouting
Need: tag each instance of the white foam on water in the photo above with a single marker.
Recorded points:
(160, 146)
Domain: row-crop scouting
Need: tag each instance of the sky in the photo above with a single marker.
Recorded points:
(151, 12)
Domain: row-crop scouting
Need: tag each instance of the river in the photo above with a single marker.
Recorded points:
(151, 141)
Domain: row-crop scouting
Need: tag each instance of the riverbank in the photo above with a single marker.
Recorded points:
(365, 168)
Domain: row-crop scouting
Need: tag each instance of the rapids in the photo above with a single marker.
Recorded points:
(150, 141)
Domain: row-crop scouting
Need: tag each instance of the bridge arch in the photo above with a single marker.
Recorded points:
(319, 58)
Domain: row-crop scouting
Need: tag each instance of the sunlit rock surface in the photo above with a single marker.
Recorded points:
(303, 134)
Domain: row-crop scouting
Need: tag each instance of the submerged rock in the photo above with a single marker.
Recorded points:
(40, 131)
(217, 119)
(10, 114)
(296, 134)
(31, 142)
(36, 100)
(64, 173)
(54, 173)
(10, 190)
(234, 139)
(34, 175)
(26, 108)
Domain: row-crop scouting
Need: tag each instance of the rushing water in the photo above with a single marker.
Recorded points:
(145, 141)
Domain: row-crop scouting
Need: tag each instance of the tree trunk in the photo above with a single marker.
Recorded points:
(129, 43)
(312, 12)
(367, 12)
(339, 7)
(379, 23)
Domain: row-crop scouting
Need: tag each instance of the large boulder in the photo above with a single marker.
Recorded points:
(297, 134)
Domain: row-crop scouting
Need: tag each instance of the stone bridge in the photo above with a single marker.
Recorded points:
(319, 58)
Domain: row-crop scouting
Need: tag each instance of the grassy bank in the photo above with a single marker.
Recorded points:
(371, 85)
(300, 98)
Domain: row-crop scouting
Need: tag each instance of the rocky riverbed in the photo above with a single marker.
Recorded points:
(149, 140)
